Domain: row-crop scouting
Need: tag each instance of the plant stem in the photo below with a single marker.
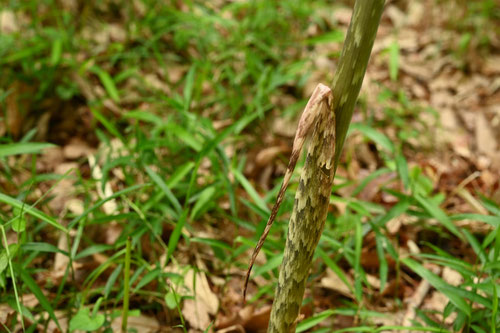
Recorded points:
(306, 224)
(352, 65)
(12, 276)
(313, 195)
(126, 286)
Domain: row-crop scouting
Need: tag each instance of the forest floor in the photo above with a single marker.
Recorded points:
(171, 125)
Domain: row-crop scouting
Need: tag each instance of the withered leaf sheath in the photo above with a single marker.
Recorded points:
(306, 223)
(319, 102)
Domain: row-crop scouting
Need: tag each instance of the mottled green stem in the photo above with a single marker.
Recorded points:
(313, 195)
(352, 65)
(306, 224)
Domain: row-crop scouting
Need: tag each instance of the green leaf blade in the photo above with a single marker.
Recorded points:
(23, 148)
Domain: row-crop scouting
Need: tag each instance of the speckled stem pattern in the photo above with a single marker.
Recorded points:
(306, 224)
(352, 64)
(312, 198)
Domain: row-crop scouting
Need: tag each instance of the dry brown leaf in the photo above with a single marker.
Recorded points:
(343, 15)
(75, 206)
(196, 314)
(17, 107)
(437, 303)
(30, 300)
(91, 92)
(416, 12)
(70, 5)
(117, 32)
(258, 320)
(373, 281)
(110, 207)
(113, 232)
(8, 22)
(333, 282)
(414, 302)
(452, 277)
(485, 139)
(197, 311)
(285, 127)
(394, 225)
(61, 261)
(176, 73)
(448, 119)
(76, 148)
(63, 190)
(413, 247)
(223, 123)
(62, 318)
(397, 17)
(495, 163)
(155, 82)
(492, 65)
(416, 70)
(267, 155)
(232, 329)
(139, 324)
(373, 187)
(460, 143)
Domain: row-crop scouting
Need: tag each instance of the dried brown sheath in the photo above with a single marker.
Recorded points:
(315, 111)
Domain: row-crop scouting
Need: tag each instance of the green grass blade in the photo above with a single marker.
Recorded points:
(56, 52)
(375, 136)
(412, 328)
(439, 284)
(24, 53)
(111, 280)
(394, 60)
(98, 248)
(206, 197)
(126, 285)
(496, 249)
(438, 214)
(43, 247)
(402, 167)
(494, 309)
(7, 256)
(473, 242)
(35, 289)
(491, 220)
(335, 36)
(491, 206)
(176, 234)
(358, 245)
(146, 116)
(146, 279)
(107, 82)
(212, 242)
(32, 211)
(188, 138)
(23, 148)
(103, 201)
(271, 264)
(107, 124)
(335, 268)
(250, 190)
(189, 87)
(384, 267)
(234, 129)
(313, 320)
(163, 186)
(368, 179)
(179, 174)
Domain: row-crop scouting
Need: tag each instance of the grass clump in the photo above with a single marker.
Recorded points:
(153, 116)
